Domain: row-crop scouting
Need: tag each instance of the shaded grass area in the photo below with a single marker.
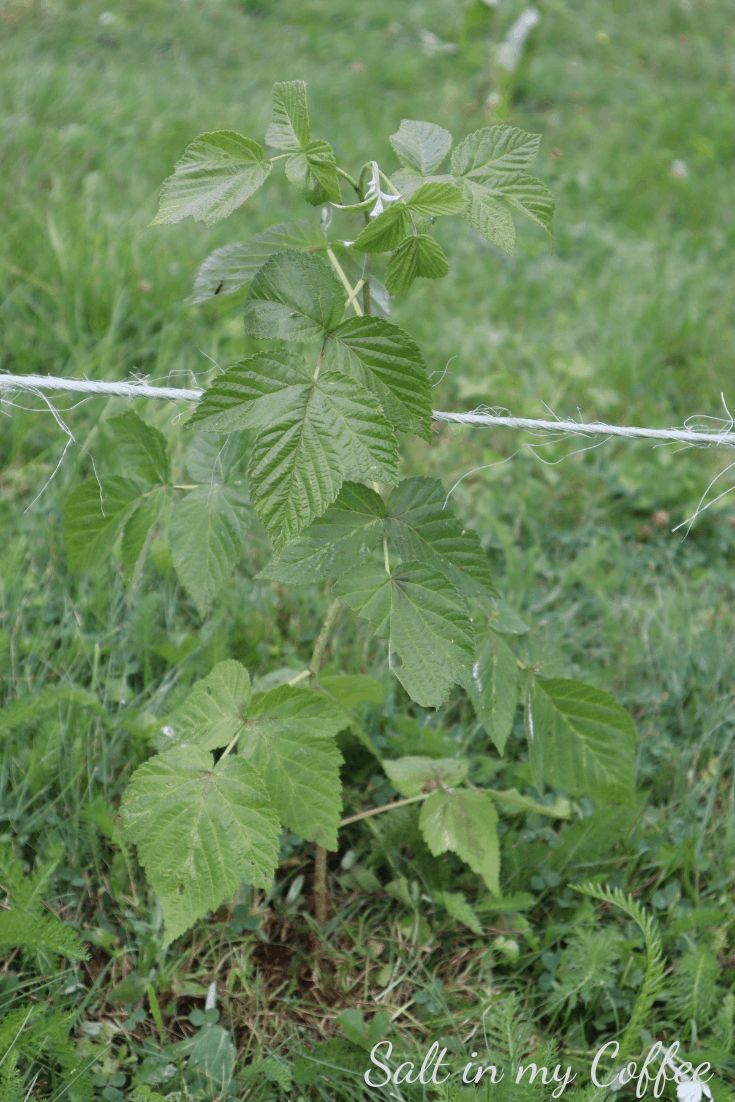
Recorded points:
(628, 319)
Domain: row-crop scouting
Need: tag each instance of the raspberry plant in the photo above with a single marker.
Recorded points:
(318, 415)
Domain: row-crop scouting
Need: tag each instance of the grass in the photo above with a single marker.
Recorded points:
(629, 319)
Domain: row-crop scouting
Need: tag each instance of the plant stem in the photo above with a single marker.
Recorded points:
(384, 807)
(345, 281)
(366, 283)
(323, 638)
(350, 179)
(320, 854)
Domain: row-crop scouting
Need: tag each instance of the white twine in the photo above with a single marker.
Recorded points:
(721, 437)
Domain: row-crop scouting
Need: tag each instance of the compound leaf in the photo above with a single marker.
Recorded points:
(495, 688)
(299, 460)
(94, 515)
(495, 151)
(231, 268)
(423, 618)
(580, 740)
(421, 146)
(289, 738)
(217, 173)
(421, 528)
(289, 128)
(386, 231)
(294, 296)
(416, 256)
(530, 197)
(201, 831)
(464, 821)
(253, 392)
(387, 361)
(140, 447)
(338, 541)
(413, 775)
(207, 531)
(212, 713)
(434, 200)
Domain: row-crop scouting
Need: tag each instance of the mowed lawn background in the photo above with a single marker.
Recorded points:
(629, 319)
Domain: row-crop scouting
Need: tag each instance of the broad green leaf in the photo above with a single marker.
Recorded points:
(213, 712)
(352, 690)
(458, 907)
(231, 268)
(253, 392)
(338, 541)
(139, 447)
(406, 181)
(529, 196)
(421, 528)
(386, 231)
(415, 256)
(313, 171)
(495, 685)
(421, 146)
(289, 128)
(299, 460)
(411, 776)
(294, 296)
(207, 530)
(213, 1057)
(217, 173)
(208, 460)
(464, 821)
(433, 200)
(390, 364)
(488, 214)
(289, 738)
(201, 831)
(580, 740)
(423, 618)
(137, 529)
(512, 800)
(501, 617)
(94, 516)
(495, 151)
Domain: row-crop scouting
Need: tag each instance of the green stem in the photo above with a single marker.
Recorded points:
(323, 638)
(384, 807)
(366, 283)
(345, 281)
(320, 853)
(350, 179)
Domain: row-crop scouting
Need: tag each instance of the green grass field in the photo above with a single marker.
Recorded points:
(629, 319)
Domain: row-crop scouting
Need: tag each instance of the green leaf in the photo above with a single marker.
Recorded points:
(201, 831)
(231, 268)
(425, 621)
(421, 528)
(140, 447)
(530, 197)
(352, 690)
(213, 712)
(415, 256)
(207, 531)
(94, 516)
(253, 392)
(411, 776)
(313, 172)
(488, 214)
(338, 541)
(289, 738)
(434, 200)
(406, 181)
(512, 800)
(458, 907)
(216, 175)
(421, 146)
(495, 151)
(495, 683)
(390, 364)
(137, 529)
(294, 296)
(386, 231)
(464, 821)
(213, 1057)
(298, 461)
(209, 460)
(289, 128)
(580, 740)
(501, 617)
